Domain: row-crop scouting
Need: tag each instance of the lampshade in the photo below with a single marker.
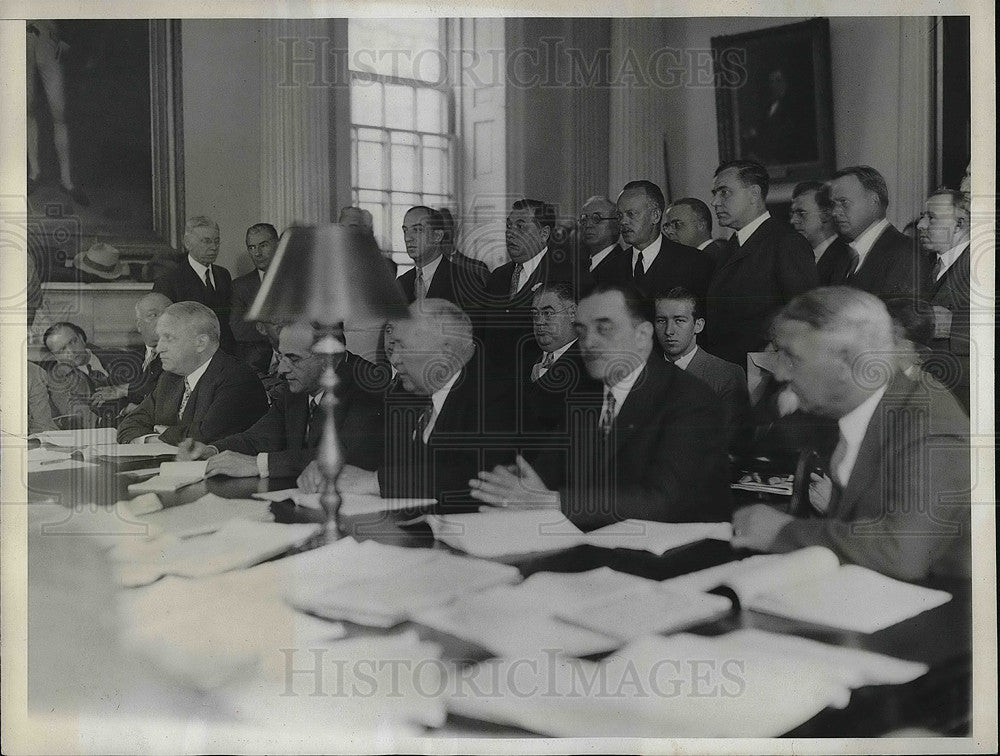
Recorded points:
(327, 274)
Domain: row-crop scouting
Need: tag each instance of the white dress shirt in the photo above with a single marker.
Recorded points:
(866, 240)
(200, 269)
(527, 268)
(948, 258)
(427, 273)
(621, 390)
(597, 259)
(853, 427)
(556, 354)
(685, 360)
(648, 254)
(747, 231)
(823, 247)
(438, 399)
(704, 245)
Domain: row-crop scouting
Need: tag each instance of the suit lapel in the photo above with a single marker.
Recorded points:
(635, 409)
(200, 397)
(440, 287)
(954, 272)
(751, 244)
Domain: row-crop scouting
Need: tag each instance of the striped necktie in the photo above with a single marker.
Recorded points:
(184, 400)
(515, 280)
(419, 286)
(608, 415)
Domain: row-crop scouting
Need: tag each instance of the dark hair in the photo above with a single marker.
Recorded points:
(750, 173)
(434, 219)
(562, 289)
(871, 180)
(651, 190)
(266, 228)
(913, 317)
(684, 295)
(821, 193)
(959, 200)
(699, 208)
(63, 324)
(543, 213)
(640, 308)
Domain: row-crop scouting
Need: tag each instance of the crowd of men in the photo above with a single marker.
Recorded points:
(604, 376)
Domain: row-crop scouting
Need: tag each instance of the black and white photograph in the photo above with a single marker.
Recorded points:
(502, 379)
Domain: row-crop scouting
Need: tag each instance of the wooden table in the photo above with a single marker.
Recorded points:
(941, 637)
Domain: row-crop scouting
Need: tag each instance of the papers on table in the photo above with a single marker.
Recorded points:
(350, 504)
(125, 451)
(43, 460)
(238, 543)
(173, 475)
(377, 585)
(205, 515)
(82, 437)
(503, 532)
(744, 684)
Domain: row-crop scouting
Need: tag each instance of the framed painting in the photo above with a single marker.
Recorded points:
(773, 99)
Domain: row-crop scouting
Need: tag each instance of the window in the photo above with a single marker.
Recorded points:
(402, 121)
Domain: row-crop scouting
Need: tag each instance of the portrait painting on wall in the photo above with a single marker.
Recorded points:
(773, 99)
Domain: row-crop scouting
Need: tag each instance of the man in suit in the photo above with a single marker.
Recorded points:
(433, 275)
(811, 216)
(252, 345)
(127, 395)
(679, 320)
(477, 270)
(599, 235)
(449, 420)
(652, 263)
(649, 446)
(203, 393)
(77, 371)
(883, 261)
(196, 278)
(764, 266)
(284, 441)
(899, 499)
(505, 321)
(688, 221)
(943, 231)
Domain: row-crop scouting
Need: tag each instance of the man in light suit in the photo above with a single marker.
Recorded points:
(196, 277)
(252, 344)
(679, 320)
(650, 445)
(688, 221)
(203, 393)
(764, 266)
(812, 217)
(284, 441)
(943, 231)
(883, 260)
(898, 502)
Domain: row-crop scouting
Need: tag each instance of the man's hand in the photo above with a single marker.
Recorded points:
(756, 527)
(354, 480)
(820, 492)
(109, 394)
(189, 449)
(513, 486)
(311, 479)
(232, 464)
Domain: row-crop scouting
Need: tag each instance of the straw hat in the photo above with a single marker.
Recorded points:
(101, 260)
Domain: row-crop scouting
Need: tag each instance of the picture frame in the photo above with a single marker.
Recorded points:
(773, 98)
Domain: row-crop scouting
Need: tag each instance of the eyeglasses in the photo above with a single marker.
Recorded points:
(546, 313)
(595, 218)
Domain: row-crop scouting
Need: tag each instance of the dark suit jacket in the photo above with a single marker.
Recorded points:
(455, 283)
(474, 431)
(751, 284)
(477, 268)
(675, 265)
(715, 250)
(145, 382)
(252, 346)
(729, 382)
(282, 431)
(953, 351)
(891, 268)
(544, 404)
(605, 267)
(833, 265)
(181, 284)
(504, 326)
(228, 398)
(665, 458)
(905, 510)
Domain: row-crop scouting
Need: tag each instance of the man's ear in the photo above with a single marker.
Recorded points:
(546, 233)
(202, 339)
(645, 329)
(699, 325)
(438, 236)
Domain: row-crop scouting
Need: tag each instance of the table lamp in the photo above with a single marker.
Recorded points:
(327, 275)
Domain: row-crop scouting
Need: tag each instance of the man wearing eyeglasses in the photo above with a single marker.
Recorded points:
(599, 235)
(688, 221)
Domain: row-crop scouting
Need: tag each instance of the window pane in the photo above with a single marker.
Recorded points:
(404, 168)
(398, 107)
(435, 179)
(411, 48)
(430, 110)
(370, 165)
(366, 102)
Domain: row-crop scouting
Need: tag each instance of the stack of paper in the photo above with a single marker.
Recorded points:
(45, 460)
(744, 684)
(173, 475)
(205, 515)
(657, 537)
(350, 504)
(381, 586)
(132, 451)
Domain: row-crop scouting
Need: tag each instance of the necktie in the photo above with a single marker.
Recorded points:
(638, 271)
(419, 287)
(208, 279)
(314, 403)
(837, 459)
(150, 354)
(608, 415)
(938, 270)
(184, 400)
(515, 280)
(423, 420)
(855, 261)
(539, 368)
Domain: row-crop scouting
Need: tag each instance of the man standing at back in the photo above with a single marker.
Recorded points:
(197, 278)
(433, 275)
(883, 260)
(254, 348)
(599, 236)
(811, 216)
(688, 221)
(764, 266)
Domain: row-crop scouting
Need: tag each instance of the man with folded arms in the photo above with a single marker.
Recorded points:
(652, 447)
(899, 500)
(203, 393)
(284, 441)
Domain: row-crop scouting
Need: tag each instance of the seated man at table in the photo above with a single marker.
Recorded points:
(447, 423)
(284, 441)
(203, 393)
(653, 449)
(899, 503)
